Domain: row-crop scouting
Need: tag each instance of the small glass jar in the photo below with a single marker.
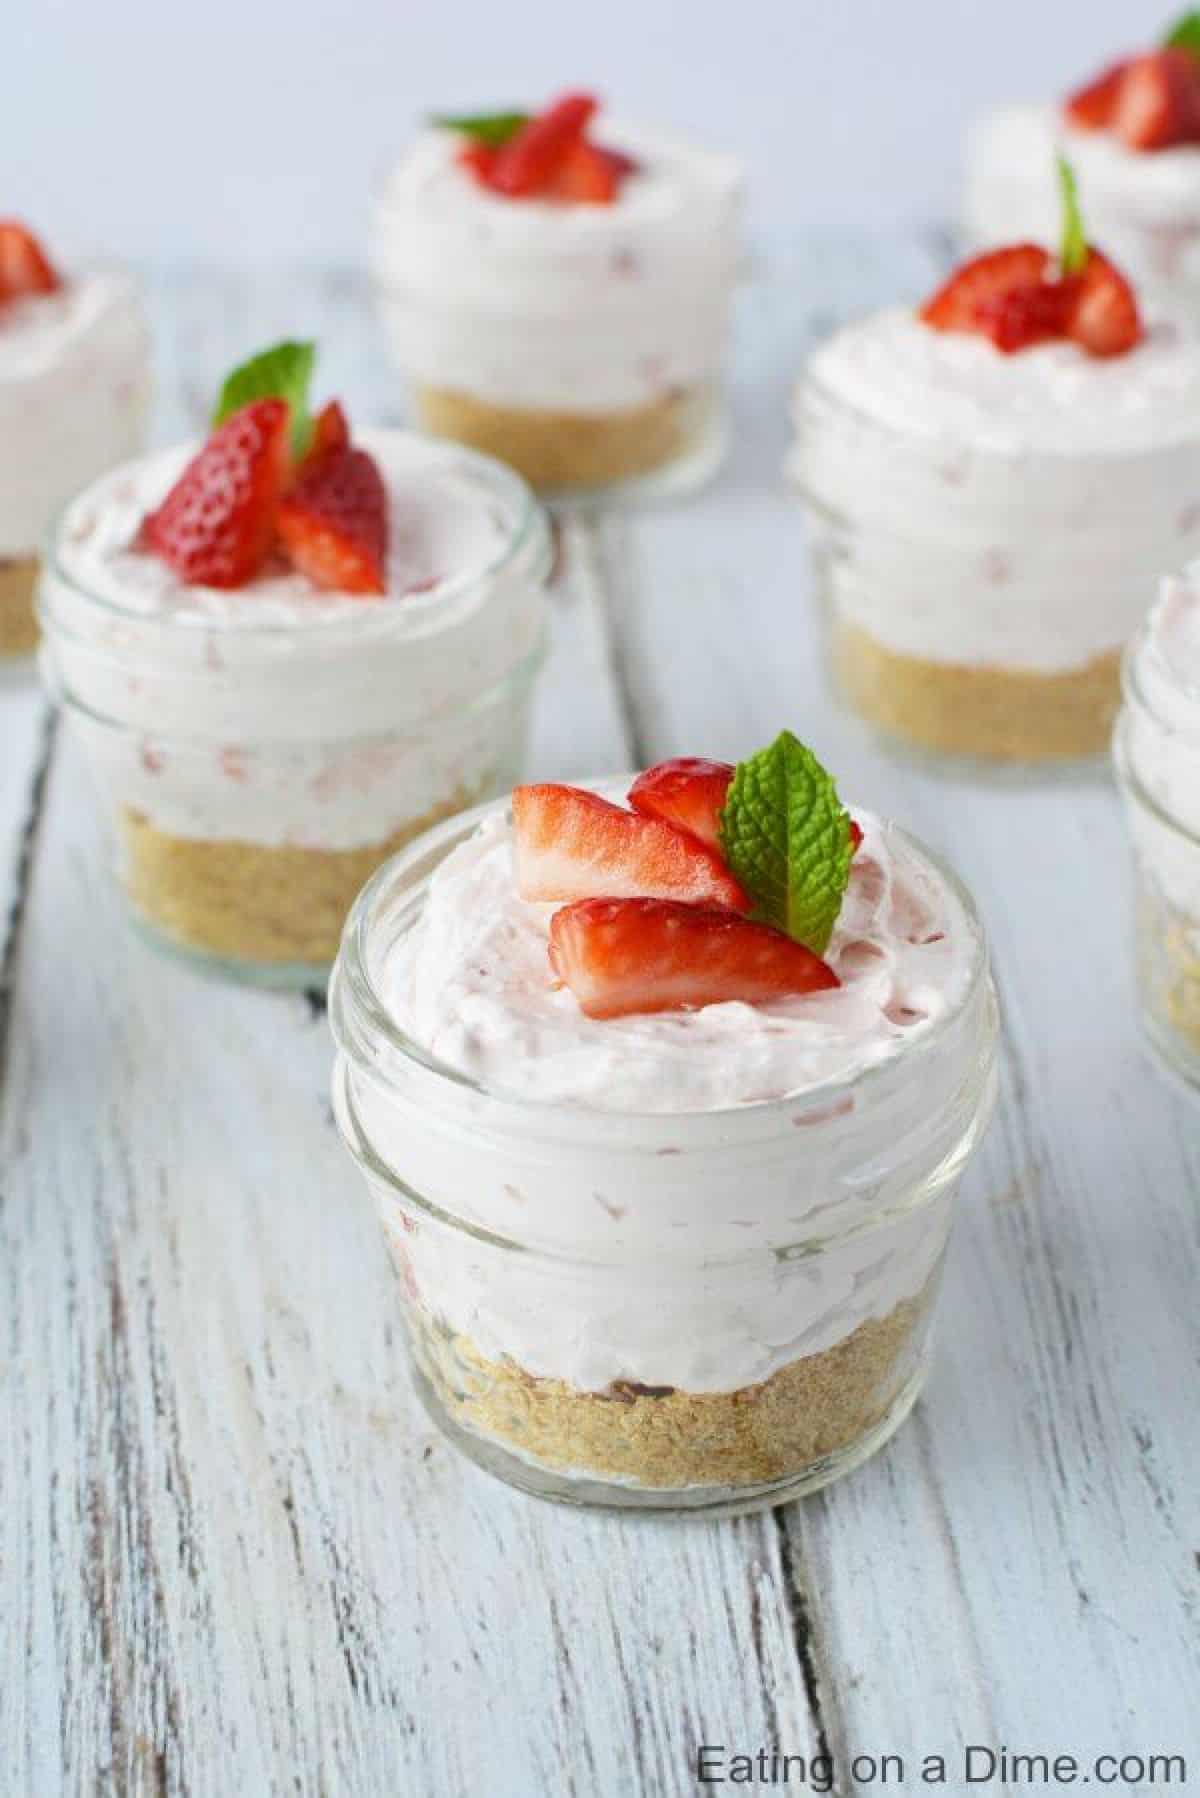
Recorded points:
(976, 601)
(701, 1312)
(73, 403)
(1156, 751)
(257, 773)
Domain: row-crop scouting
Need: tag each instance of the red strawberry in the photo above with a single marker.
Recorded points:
(688, 792)
(1025, 315)
(620, 161)
(586, 176)
(217, 523)
(24, 266)
(330, 430)
(1103, 314)
(574, 845)
(1158, 103)
(1093, 107)
(334, 523)
(856, 837)
(480, 160)
(640, 955)
(983, 282)
(529, 161)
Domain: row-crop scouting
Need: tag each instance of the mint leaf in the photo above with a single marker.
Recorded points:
(1073, 250)
(283, 372)
(1184, 34)
(787, 839)
(490, 128)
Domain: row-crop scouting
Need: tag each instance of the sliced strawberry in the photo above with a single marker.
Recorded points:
(24, 266)
(217, 523)
(334, 523)
(571, 844)
(687, 792)
(1158, 102)
(586, 176)
(1025, 315)
(1103, 317)
(480, 160)
(528, 163)
(642, 955)
(856, 837)
(620, 161)
(983, 281)
(330, 430)
(1093, 107)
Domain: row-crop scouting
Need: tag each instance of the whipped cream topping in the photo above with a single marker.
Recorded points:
(537, 304)
(667, 1238)
(74, 393)
(1010, 511)
(279, 713)
(1159, 736)
(472, 984)
(1142, 208)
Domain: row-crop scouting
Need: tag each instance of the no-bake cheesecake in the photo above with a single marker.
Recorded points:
(995, 480)
(663, 1094)
(556, 286)
(74, 391)
(287, 651)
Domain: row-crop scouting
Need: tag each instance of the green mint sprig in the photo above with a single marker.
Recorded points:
(492, 129)
(786, 837)
(1073, 249)
(1184, 34)
(283, 372)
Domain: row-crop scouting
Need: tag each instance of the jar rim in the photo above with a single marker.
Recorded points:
(530, 532)
(351, 984)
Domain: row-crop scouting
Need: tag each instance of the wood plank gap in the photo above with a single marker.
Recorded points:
(601, 545)
(808, 1656)
(10, 950)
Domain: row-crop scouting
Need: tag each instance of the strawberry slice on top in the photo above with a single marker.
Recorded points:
(1156, 104)
(1093, 106)
(688, 792)
(620, 956)
(217, 523)
(25, 268)
(333, 523)
(572, 844)
(542, 156)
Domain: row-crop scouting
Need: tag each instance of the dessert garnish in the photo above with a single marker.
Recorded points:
(25, 269)
(272, 478)
(658, 894)
(1021, 295)
(543, 156)
(1150, 102)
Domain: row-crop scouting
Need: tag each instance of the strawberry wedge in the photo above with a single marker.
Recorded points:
(688, 792)
(621, 956)
(25, 268)
(571, 844)
(216, 525)
(334, 522)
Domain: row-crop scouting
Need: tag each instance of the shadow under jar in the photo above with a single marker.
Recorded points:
(977, 590)
(706, 1311)
(257, 770)
(1156, 752)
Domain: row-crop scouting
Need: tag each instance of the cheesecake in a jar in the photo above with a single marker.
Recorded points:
(1157, 755)
(286, 652)
(1131, 128)
(557, 287)
(995, 480)
(74, 394)
(667, 1186)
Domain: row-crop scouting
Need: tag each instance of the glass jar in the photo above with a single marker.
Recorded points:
(256, 773)
(976, 601)
(704, 1311)
(1156, 751)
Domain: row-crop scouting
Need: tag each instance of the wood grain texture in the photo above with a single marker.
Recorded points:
(1021, 1565)
(233, 1553)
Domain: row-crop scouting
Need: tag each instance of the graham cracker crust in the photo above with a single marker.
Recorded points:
(250, 902)
(1009, 715)
(18, 621)
(664, 1438)
(564, 449)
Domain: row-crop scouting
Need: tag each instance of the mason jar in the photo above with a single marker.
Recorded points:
(1156, 751)
(708, 1311)
(977, 578)
(257, 765)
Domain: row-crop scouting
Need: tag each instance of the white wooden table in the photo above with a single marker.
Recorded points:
(234, 1556)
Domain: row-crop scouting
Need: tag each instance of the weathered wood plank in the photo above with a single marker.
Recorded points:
(229, 1539)
(1020, 1565)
